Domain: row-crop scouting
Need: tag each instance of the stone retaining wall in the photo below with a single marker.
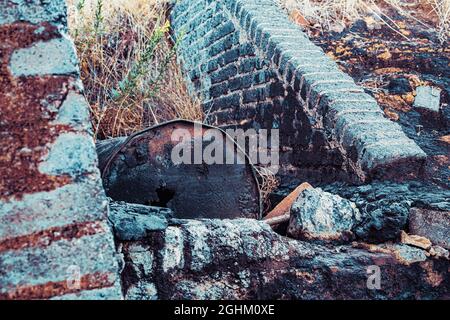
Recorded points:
(55, 241)
(252, 67)
(244, 259)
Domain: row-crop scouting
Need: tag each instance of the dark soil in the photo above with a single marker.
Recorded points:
(390, 62)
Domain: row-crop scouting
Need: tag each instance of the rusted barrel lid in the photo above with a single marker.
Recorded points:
(140, 169)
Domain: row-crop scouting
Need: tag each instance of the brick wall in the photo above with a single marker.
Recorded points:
(55, 241)
(252, 67)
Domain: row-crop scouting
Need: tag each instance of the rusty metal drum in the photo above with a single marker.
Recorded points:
(140, 169)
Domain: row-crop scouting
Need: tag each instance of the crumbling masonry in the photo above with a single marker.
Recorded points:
(252, 68)
(53, 224)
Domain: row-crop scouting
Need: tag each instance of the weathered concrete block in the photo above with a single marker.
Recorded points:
(56, 56)
(197, 235)
(55, 240)
(91, 254)
(346, 121)
(312, 93)
(134, 221)
(404, 154)
(72, 154)
(428, 99)
(74, 111)
(332, 111)
(37, 212)
(33, 11)
(367, 133)
(173, 251)
(140, 252)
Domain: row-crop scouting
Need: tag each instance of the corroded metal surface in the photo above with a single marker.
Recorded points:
(139, 169)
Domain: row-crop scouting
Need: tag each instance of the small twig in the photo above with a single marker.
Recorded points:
(407, 13)
(207, 114)
(389, 26)
(153, 114)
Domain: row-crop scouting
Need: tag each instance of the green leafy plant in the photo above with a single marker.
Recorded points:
(98, 21)
(81, 5)
(128, 86)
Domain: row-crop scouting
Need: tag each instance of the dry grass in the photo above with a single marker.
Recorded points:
(268, 183)
(128, 67)
(331, 14)
(327, 12)
(442, 10)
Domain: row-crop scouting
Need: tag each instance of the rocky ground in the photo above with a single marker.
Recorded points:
(246, 259)
(405, 64)
(322, 252)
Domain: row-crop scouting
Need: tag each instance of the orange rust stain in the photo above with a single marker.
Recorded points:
(394, 102)
(433, 277)
(51, 289)
(408, 98)
(445, 139)
(308, 277)
(385, 55)
(391, 114)
(388, 70)
(25, 128)
(46, 237)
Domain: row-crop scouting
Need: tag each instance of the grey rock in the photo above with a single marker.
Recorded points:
(385, 220)
(319, 215)
(173, 251)
(74, 111)
(410, 254)
(134, 221)
(72, 154)
(385, 206)
(143, 291)
(142, 256)
(428, 98)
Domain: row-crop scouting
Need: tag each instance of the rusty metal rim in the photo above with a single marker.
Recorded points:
(131, 137)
